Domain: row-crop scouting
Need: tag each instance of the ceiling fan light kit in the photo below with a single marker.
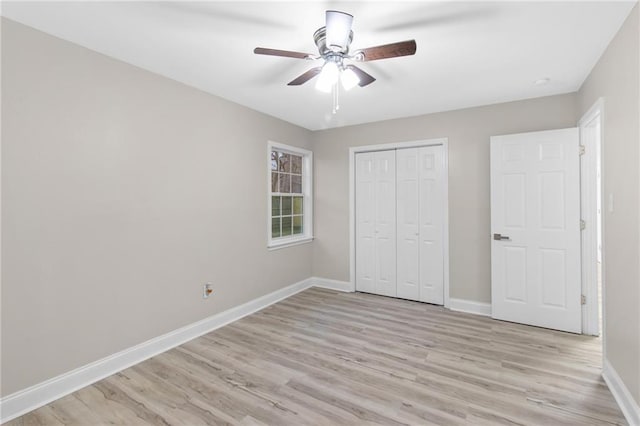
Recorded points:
(349, 79)
(333, 42)
(328, 76)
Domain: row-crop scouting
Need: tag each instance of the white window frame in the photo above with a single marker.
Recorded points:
(307, 194)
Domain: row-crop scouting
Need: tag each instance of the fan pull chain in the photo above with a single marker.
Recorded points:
(336, 98)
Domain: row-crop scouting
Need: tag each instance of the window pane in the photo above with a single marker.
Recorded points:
(296, 164)
(275, 206)
(285, 183)
(286, 206)
(297, 205)
(274, 182)
(296, 184)
(285, 162)
(275, 227)
(297, 225)
(274, 160)
(286, 226)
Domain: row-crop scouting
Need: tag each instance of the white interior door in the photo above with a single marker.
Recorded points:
(431, 198)
(420, 231)
(385, 222)
(408, 215)
(535, 223)
(365, 222)
(376, 222)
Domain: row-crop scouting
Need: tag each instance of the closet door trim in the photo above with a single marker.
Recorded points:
(352, 205)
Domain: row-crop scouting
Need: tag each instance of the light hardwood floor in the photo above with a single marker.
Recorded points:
(328, 358)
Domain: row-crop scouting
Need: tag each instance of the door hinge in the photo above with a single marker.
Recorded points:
(582, 149)
(583, 224)
(583, 299)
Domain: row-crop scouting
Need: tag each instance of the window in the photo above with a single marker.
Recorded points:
(290, 200)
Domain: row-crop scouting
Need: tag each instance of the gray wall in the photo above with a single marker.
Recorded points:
(468, 131)
(615, 78)
(122, 192)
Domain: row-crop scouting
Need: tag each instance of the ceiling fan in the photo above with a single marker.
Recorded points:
(333, 41)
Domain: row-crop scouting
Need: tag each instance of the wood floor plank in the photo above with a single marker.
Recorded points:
(328, 358)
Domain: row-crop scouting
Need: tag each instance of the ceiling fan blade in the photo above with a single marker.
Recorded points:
(393, 50)
(305, 77)
(363, 76)
(338, 29)
(285, 53)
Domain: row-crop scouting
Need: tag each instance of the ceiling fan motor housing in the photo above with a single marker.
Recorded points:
(320, 39)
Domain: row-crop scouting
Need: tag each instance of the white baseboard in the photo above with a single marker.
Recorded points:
(621, 393)
(469, 306)
(36, 396)
(332, 284)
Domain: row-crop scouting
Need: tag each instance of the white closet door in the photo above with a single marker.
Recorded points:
(408, 239)
(400, 223)
(431, 198)
(365, 222)
(385, 222)
(376, 222)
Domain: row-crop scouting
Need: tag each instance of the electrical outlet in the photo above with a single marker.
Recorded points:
(207, 290)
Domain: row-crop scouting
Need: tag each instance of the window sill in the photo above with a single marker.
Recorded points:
(288, 243)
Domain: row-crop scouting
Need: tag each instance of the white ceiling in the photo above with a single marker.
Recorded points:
(469, 53)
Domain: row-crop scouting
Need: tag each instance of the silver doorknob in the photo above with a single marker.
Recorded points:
(500, 237)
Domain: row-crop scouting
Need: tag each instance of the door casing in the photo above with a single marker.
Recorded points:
(593, 155)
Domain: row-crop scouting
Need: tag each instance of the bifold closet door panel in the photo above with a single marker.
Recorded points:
(385, 222)
(408, 227)
(376, 222)
(431, 172)
(365, 222)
